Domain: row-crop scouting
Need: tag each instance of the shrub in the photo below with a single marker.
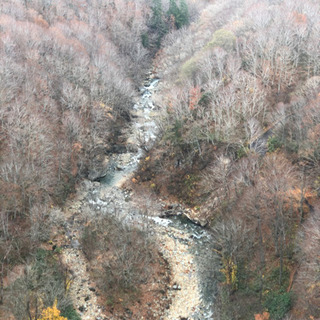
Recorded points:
(242, 152)
(274, 144)
(145, 40)
(292, 147)
(205, 99)
(70, 313)
(52, 313)
(127, 256)
(278, 304)
(42, 286)
(224, 39)
(190, 68)
(89, 242)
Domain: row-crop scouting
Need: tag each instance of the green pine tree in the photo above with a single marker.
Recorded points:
(158, 23)
(157, 14)
(181, 15)
(174, 11)
(184, 12)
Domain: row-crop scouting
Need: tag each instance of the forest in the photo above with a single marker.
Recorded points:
(237, 149)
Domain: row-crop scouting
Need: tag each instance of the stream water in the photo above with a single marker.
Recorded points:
(196, 240)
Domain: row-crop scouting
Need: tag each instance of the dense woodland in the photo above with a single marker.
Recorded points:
(239, 137)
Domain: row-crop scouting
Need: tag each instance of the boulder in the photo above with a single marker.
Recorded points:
(99, 163)
(177, 210)
(195, 217)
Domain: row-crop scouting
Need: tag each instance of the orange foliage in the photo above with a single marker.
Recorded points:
(294, 198)
(41, 22)
(299, 18)
(194, 97)
(77, 147)
(263, 316)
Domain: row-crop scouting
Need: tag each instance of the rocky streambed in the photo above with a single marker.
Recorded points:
(186, 246)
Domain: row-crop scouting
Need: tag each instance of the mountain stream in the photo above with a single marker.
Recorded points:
(186, 246)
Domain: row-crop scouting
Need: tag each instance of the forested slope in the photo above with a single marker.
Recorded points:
(239, 98)
(68, 73)
(240, 145)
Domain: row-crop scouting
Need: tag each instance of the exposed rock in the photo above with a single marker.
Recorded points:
(178, 210)
(99, 163)
(117, 148)
(176, 287)
(131, 147)
(75, 244)
(195, 217)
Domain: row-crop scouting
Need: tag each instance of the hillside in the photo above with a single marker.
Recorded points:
(240, 104)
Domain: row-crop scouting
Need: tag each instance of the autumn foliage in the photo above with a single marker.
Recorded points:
(240, 101)
(263, 316)
(68, 74)
(51, 313)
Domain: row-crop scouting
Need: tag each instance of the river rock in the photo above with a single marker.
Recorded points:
(195, 217)
(75, 244)
(117, 149)
(177, 210)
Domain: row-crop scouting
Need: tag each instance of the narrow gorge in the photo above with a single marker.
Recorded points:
(185, 246)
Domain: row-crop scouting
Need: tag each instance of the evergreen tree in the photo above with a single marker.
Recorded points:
(157, 14)
(158, 23)
(181, 15)
(184, 12)
(174, 12)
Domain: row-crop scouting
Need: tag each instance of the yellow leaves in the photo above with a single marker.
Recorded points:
(152, 185)
(105, 107)
(230, 270)
(68, 283)
(52, 313)
(217, 251)
(234, 270)
(147, 158)
(108, 110)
